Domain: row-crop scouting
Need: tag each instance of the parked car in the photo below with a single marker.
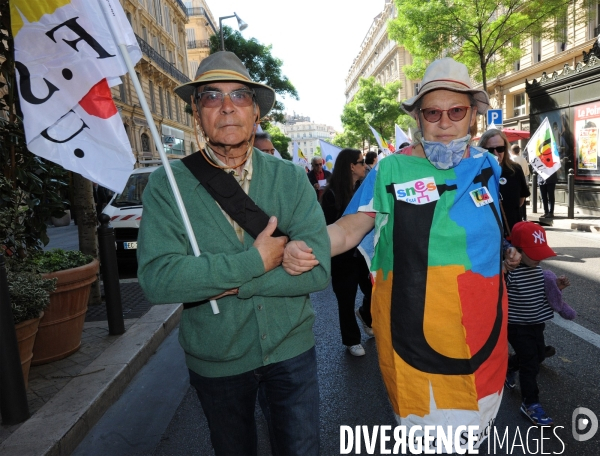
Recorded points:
(125, 212)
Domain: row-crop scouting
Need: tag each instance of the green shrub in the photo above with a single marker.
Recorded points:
(58, 260)
(29, 294)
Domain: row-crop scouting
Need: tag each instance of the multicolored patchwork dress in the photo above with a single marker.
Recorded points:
(439, 304)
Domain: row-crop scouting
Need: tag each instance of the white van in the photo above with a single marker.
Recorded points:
(125, 212)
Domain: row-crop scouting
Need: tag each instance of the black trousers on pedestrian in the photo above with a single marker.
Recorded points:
(547, 191)
(529, 345)
(347, 274)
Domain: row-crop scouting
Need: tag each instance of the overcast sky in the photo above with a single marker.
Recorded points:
(317, 41)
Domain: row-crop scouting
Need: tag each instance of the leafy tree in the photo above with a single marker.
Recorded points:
(347, 139)
(485, 35)
(279, 140)
(261, 65)
(375, 105)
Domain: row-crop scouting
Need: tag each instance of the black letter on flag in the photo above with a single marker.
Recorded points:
(25, 85)
(83, 35)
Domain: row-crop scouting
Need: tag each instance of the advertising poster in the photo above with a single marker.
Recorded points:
(586, 129)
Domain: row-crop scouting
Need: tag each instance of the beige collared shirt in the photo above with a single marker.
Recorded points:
(242, 178)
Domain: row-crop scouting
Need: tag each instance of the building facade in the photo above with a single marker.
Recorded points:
(159, 26)
(551, 70)
(199, 29)
(306, 133)
(507, 91)
(380, 57)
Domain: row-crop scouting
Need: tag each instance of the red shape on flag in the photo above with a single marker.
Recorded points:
(98, 101)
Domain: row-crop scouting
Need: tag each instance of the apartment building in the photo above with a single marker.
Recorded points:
(199, 29)
(507, 91)
(159, 26)
(380, 57)
(306, 133)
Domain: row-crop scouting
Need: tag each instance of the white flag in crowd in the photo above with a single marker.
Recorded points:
(329, 153)
(543, 151)
(66, 60)
(401, 137)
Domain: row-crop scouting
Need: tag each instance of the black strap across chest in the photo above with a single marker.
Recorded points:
(226, 191)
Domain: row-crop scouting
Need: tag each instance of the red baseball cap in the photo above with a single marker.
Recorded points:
(531, 238)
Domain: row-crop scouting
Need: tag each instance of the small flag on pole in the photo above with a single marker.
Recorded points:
(299, 158)
(66, 60)
(543, 151)
(401, 137)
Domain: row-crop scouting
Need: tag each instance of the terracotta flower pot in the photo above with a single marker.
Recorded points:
(26, 331)
(60, 330)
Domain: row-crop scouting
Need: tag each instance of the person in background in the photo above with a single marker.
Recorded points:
(515, 155)
(262, 141)
(370, 161)
(547, 188)
(348, 270)
(262, 339)
(439, 306)
(513, 187)
(318, 175)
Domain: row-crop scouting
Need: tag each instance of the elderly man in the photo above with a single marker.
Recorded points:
(262, 339)
(262, 142)
(439, 306)
(515, 155)
(318, 176)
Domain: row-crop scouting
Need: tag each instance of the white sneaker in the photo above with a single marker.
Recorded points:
(367, 329)
(356, 350)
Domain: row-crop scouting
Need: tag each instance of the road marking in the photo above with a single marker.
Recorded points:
(581, 332)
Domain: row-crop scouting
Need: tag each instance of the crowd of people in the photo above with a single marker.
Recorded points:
(442, 307)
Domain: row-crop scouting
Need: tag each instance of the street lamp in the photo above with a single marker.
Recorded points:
(241, 25)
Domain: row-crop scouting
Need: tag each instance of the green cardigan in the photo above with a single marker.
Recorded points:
(271, 318)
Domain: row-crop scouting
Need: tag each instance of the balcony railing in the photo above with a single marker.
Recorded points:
(182, 6)
(160, 61)
(202, 12)
(198, 44)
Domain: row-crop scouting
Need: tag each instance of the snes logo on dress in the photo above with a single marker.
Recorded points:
(420, 191)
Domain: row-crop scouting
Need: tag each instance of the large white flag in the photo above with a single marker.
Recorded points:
(329, 153)
(401, 137)
(66, 60)
(543, 151)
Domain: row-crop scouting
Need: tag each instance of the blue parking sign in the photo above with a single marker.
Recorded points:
(494, 116)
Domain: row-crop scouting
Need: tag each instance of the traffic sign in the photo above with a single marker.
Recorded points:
(494, 116)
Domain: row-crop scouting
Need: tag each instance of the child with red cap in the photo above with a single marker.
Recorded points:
(528, 310)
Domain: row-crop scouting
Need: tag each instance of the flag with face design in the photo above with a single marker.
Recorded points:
(66, 59)
(543, 151)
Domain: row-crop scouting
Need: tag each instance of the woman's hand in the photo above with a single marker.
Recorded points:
(298, 258)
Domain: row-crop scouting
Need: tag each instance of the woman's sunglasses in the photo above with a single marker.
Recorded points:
(497, 149)
(454, 114)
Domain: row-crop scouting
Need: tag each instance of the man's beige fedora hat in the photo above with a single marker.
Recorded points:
(224, 66)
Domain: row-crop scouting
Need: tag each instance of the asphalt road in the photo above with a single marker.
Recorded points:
(166, 418)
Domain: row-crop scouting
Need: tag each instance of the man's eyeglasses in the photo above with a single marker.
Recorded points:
(455, 114)
(360, 162)
(214, 99)
(496, 150)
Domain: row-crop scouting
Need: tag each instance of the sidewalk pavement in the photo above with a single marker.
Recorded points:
(67, 397)
(580, 222)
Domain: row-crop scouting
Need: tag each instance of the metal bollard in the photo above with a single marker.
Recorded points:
(534, 190)
(110, 276)
(571, 190)
(13, 397)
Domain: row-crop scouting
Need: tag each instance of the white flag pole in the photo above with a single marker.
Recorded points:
(120, 40)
